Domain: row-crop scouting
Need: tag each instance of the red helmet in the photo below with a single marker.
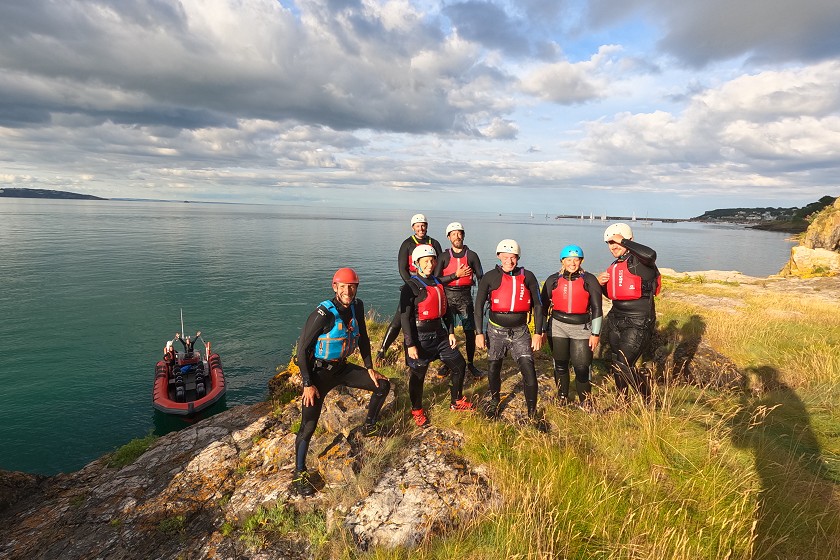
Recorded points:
(346, 276)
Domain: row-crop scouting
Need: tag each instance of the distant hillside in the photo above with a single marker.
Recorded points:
(45, 193)
(791, 220)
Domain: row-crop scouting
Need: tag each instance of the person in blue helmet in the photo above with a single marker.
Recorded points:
(572, 306)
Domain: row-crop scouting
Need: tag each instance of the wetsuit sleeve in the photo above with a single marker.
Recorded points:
(534, 286)
(596, 309)
(402, 259)
(437, 247)
(643, 253)
(481, 296)
(319, 322)
(475, 265)
(545, 294)
(408, 313)
(364, 339)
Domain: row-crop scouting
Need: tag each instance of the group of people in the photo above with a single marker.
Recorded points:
(436, 297)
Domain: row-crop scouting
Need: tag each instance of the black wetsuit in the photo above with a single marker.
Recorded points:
(403, 255)
(509, 332)
(576, 350)
(326, 375)
(458, 298)
(431, 339)
(631, 322)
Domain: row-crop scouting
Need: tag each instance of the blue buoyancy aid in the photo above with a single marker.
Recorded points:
(342, 339)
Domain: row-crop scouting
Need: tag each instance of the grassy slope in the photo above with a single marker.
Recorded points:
(752, 474)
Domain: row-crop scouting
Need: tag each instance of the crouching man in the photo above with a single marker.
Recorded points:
(331, 334)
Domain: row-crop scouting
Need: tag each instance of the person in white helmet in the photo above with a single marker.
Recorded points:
(459, 268)
(631, 282)
(429, 334)
(512, 294)
(405, 266)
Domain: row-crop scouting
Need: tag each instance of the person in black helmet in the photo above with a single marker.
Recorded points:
(512, 293)
(459, 269)
(631, 282)
(406, 268)
(572, 304)
(331, 334)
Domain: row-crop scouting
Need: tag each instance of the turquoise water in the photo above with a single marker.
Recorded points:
(91, 290)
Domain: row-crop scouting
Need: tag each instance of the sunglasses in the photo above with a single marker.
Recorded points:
(612, 243)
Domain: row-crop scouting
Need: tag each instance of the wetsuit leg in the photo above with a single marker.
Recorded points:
(529, 379)
(581, 357)
(457, 366)
(391, 333)
(560, 353)
(358, 377)
(628, 337)
(494, 378)
(416, 377)
(469, 342)
(309, 416)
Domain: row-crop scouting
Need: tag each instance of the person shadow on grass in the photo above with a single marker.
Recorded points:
(796, 514)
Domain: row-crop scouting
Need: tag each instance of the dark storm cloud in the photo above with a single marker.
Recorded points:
(702, 32)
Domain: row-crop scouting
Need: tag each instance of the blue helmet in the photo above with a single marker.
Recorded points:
(571, 251)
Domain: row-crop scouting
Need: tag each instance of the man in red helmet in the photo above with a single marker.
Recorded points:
(331, 334)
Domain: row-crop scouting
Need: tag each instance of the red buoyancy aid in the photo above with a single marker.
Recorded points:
(512, 296)
(426, 241)
(624, 285)
(570, 296)
(453, 265)
(434, 306)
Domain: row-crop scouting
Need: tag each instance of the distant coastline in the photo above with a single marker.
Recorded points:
(45, 193)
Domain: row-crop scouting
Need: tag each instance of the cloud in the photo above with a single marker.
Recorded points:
(699, 33)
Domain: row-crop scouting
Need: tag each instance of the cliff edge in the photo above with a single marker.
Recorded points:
(818, 253)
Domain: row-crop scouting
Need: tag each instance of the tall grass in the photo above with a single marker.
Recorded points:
(751, 474)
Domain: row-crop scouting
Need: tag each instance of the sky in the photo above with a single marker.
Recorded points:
(648, 107)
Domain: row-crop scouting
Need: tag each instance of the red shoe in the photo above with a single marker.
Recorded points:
(462, 404)
(420, 418)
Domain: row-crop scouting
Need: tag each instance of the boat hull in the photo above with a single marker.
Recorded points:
(166, 396)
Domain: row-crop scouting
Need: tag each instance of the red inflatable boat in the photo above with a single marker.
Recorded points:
(187, 382)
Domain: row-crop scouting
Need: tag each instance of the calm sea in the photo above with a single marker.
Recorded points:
(91, 290)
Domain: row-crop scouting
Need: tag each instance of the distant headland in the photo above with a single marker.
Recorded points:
(788, 220)
(45, 193)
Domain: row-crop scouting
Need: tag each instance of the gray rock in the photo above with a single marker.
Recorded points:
(432, 490)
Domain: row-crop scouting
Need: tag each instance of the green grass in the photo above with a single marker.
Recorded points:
(747, 474)
(129, 452)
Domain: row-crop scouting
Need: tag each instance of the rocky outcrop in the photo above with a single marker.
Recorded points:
(824, 231)
(819, 252)
(432, 489)
(191, 494)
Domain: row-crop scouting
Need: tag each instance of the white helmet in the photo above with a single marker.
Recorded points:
(419, 219)
(454, 226)
(620, 229)
(508, 246)
(422, 250)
